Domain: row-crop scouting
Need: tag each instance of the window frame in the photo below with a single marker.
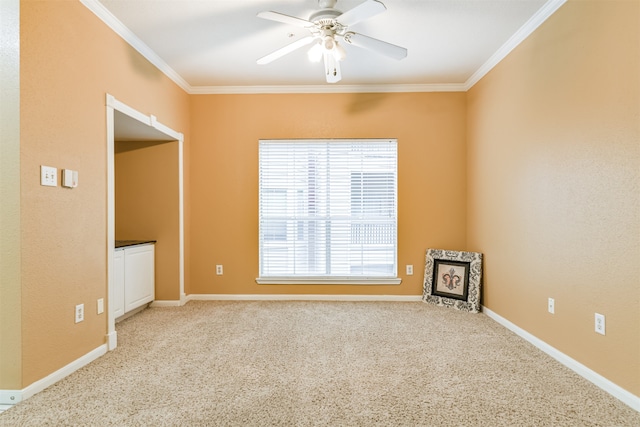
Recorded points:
(349, 279)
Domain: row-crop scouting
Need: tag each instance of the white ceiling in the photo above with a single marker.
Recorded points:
(211, 46)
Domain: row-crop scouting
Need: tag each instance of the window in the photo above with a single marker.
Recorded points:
(328, 210)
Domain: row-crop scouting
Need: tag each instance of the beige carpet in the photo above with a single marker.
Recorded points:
(320, 363)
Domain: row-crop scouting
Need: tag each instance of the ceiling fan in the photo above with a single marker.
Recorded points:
(329, 27)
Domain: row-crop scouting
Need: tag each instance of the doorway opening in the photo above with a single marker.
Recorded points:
(130, 135)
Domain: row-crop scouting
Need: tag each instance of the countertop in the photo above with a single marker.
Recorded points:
(124, 243)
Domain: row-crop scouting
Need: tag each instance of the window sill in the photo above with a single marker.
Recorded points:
(321, 281)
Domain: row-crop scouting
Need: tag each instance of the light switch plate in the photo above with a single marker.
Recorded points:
(48, 176)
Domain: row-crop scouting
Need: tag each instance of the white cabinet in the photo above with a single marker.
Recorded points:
(134, 281)
(139, 276)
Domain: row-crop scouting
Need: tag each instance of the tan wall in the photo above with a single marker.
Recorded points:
(69, 61)
(10, 290)
(554, 185)
(430, 128)
(147, 207)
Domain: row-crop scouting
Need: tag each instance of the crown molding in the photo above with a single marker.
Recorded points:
(120, 29)
(446, 87)
(549, 8)
(518, 37)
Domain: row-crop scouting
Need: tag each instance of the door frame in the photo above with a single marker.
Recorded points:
(112, 104)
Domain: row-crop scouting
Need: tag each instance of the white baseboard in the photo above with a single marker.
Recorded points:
(166, 303)
(613, 389)
(112, 340)
(11, 397)
(302, 297)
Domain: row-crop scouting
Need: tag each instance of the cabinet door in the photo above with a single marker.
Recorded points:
(118, 283)
(139, 276)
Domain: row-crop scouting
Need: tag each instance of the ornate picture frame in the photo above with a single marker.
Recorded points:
(452, 279)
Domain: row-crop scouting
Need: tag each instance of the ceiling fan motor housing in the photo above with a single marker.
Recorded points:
(325, 18)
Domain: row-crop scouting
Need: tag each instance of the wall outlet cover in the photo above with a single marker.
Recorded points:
(79, 313)
(600, 323)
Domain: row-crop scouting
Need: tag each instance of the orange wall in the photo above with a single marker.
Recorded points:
(69, 61)
(146, 195)
(554, 185)
(430, 128)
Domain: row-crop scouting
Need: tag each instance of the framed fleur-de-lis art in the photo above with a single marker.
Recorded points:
(452, 279)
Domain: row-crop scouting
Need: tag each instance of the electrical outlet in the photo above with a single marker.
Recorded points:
(409, 270)
(551, 306)
(100, 307)
(600, 325)
(79, 313)
(219, 270)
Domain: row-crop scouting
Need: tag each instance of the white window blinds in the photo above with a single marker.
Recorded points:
(328, 209)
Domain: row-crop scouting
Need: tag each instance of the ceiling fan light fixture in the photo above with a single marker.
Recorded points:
(315, 53)
(339, 52)
(328, 43)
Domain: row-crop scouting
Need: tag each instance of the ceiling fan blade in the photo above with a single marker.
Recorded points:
(286, 49)
(332, 68)
(281, 17)
(375, 45)
(361, 12)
